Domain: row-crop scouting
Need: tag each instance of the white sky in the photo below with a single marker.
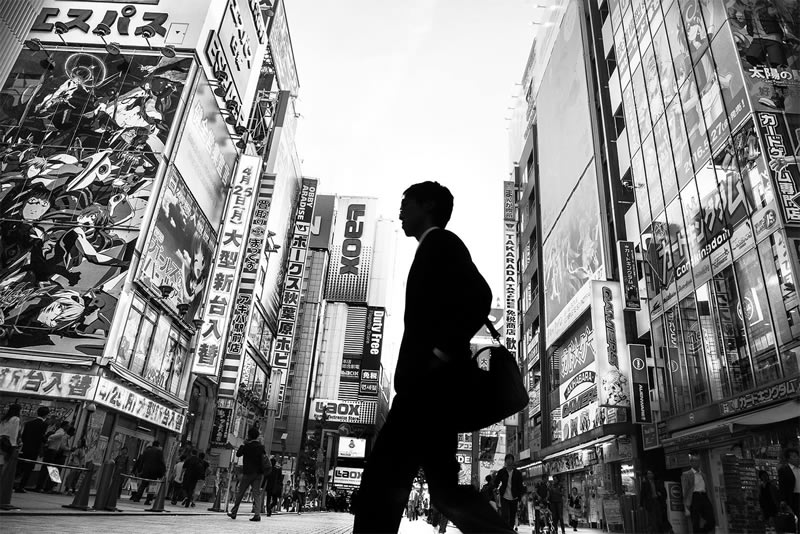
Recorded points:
(397, 92)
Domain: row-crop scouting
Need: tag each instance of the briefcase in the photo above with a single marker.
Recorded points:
(489, 396)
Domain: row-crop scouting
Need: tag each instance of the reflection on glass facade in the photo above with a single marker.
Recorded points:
(712, 110)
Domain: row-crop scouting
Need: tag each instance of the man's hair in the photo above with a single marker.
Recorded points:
(509, 456)
(43, 411)
(252, 433)
(438, 194)
(788, 452)
(488, 478)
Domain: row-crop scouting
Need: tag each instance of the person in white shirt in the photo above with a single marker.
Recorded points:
(695, 497)
(9, 432)
(789, 480)
(177, 482)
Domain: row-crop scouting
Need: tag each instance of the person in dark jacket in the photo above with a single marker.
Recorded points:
(194, 469)
(653, 497)
(447, 301)
(767, 497)
(32, 438)
(789, 480)
(150, 465)
(253, 455)
(274, 488)
(555, 501)
(510, 488)
(488, 491)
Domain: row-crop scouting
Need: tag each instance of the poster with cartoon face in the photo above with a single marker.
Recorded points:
(81, 137)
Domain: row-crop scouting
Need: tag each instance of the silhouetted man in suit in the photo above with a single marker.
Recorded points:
(789, 480)
(32, 438)
(447, 300)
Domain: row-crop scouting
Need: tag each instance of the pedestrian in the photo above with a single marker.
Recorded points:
(510, 488)
(193, 471)
(176, 485)
(9, 433)
(54, 453)
(149, 465)
(122, 465)
(575, 508)
(77, 458)
(654, 501)
(447, 300)
(555, 503)
(789, 481)
(698, 506)
(253, 457)
(488, 491)
(274, 487)
(301, 493)
(767, 499)
(32, 438)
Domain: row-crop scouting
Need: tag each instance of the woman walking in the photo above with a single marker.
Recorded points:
(9, 433)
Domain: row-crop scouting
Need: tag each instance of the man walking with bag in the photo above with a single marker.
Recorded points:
(510, 488)
(254, 458)
(447, 300)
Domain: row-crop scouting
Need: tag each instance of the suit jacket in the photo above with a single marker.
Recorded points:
(786, 483)
(647, 490)
(687, 485)
(501, 481)
(33, 437)
(447, 301)
(151, 463)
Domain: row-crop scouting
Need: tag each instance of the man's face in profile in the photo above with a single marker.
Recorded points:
(412, 216)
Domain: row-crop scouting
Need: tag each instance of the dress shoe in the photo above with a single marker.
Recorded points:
(256, 518)
(232, 516)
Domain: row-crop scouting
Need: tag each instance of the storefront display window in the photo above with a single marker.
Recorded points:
(666, 165)
(711, 101)
(640, 189)
(666, 72)
(143, 342)
(753, 167)
(734, 343)
(729, 76)
(630, 40)
(695, 123)
(754, 310)
(693, 347)
(631, 122)
(653, 84)
(681, 399)
(660, 345)
(642, 107)
(677, 43)
(653, 176)
(779, 281)
(690, 202)
(126, 345)
(715, 358)
(679, 248)
(155, 362)
(680, 143)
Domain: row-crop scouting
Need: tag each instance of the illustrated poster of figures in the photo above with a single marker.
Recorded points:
(80, 142)
(573, 255)
(179, 252)
(767, 37)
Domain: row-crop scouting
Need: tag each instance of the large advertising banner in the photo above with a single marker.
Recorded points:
(573, 255)
(578, 381)
(342, 411)
(114, 395)
(293, 283)
(351, 252)
(205, 153)
(510, 332)
(322, 224)
(82, 144)
(613, 364)
(180, 249)
(45, 383)
(765, 33)
(281, 46)
(226, 269)
(782, 163)
(373, 348)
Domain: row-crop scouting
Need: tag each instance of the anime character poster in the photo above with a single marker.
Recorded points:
(767, 37)
(180, 250)
(80, 136)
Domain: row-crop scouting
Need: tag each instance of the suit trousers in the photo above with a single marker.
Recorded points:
(701, 512)
(252, 481)
(415, 435)
(508, 509)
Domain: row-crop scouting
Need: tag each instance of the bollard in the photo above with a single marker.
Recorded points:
(7, 481)
(113, 491)
(104, 486)
(161, 495)
(217, 500)
(81, 500)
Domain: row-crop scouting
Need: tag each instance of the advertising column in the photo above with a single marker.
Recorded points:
(371, 356)
(510, 267)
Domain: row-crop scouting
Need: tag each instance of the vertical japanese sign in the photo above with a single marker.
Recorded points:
(779, 155)
(373, 347)
(628, 275)
(290, 299)
(613, 366)
(640, 384)
(226, 267)
(243, 303)
(510, 286)
(508, 201)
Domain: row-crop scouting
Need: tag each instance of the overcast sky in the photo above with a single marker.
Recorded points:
(396, 92)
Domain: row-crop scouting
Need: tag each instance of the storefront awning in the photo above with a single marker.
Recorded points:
(767, 416)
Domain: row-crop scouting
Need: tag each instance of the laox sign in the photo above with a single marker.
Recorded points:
(351, 248)
(339, 408)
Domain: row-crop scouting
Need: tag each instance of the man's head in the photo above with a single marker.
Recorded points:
(43, 411)
(488, 478)
(694, 461)
(424, 205)
(792, 456)
(509, 460)
(252, 433)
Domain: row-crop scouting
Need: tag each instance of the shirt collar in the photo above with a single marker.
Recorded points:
(425, 234)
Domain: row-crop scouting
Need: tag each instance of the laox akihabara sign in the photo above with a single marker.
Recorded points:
(339, 411)
(351, 251)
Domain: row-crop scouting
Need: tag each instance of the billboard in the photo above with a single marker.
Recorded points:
(352, 447)
(351, 252)
(373, 348)
(509, 201)
(226, 269)
(83, 145)
(347, 476)
(293, 283)
(629, 275)
(782, 164)
(573, 255)
(578, 381)
(640, 384)
(46, 383)
(613, 365)
(205, 152)
(114, 395)
(181, 247)
(322, 224)
(342, 411)
(280, 44)
(510, 286)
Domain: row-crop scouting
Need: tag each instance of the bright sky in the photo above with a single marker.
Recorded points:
(397, 92)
